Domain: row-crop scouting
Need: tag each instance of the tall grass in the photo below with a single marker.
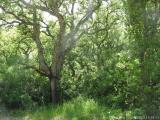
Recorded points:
(77, 109)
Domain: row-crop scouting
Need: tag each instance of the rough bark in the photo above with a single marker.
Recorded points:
(53, 86)
(56, 69)
(36, 37)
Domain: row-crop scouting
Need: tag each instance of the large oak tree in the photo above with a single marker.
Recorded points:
(70, 23)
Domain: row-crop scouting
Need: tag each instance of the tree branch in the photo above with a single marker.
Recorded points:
(75, 29)
(15, 16)
(35, 69)
(36, 37)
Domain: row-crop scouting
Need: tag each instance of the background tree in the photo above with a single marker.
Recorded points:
(144, 20)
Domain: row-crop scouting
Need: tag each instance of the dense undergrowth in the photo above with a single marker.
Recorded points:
(77, 109)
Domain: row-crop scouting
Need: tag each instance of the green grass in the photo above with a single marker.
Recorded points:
(77, 109)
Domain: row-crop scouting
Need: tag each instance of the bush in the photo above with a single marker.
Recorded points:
(13, 94)
(21, 89)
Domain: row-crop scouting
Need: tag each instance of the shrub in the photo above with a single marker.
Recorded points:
(22, 88)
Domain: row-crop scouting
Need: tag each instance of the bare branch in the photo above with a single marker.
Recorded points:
(47, 30)
(55, 12)
(36, 37)
(75, 29)
(33, 67)
(88, 14)
(8, 23)
(15, 16)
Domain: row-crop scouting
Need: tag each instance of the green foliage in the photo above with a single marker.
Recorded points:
(115, 63)
(21, 88)
(77, 109)
(13, 93)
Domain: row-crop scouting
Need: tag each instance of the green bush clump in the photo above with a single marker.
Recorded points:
(19, 89)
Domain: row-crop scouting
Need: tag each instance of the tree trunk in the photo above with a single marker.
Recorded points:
(53, 86)
(56, 69)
